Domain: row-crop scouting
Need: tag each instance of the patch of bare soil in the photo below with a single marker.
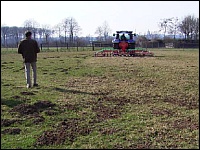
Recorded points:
(27, 93)
(186, 101)
(138, 145)
(38, 119)
(69, 130)
(106, 131)
(141, 145)
(27, 109)
(74, 126)
(52, 74)
(52, 138)
(106, 107)
(108, 111)
(51, 57)
(16, 97)
(120, 101)
(185, 123)
(104, 112)
(162, 111)
(50, 112)
(8, 122)
(44, 104)
(12, 131)
(71, 107)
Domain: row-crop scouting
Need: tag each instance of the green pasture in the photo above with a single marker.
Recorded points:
(86, 102)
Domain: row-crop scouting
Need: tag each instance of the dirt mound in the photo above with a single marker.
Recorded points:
(44, 104)
(185, 123)
(190, 102)
(8, 122)
(11, 131)
(106, 131)
(163, 111)
(27, 109)
(104, 112)
(65, 130)
(51, 138)
(27, 93)
(50, 112)
(118, 100)
(38, 119)
(71, 107)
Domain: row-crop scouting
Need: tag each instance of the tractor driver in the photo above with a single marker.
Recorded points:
(123, 38)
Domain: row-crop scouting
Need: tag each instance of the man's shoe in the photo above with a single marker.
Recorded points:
(35, 84)
(28, 86)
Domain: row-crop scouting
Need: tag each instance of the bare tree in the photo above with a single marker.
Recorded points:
(70, 26)
(106, 30)
(15, 33)
(99, 32)
(103, 31)
(47, 32)
(196, 29)
(164, 24)
(74, 28)
(187, 26)
(57, 30)
(4, 34)
(64, 26)
(41, 33)
(31, 25)
(173, 26)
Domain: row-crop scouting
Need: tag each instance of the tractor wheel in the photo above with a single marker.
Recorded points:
(132, 46)
(116, 45)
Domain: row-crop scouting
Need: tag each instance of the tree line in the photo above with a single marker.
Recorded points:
(68, 31)
(189, 27)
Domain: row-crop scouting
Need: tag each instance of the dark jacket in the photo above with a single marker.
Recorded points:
(29, 49)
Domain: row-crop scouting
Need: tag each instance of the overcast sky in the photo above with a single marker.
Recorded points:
(139, 16)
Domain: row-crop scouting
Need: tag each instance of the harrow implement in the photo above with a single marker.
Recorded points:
(109, 52)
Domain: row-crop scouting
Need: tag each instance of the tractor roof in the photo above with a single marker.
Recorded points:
(124, 31)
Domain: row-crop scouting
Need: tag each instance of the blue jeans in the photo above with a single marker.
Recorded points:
(27, 72)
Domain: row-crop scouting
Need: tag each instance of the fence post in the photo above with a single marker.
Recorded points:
(77, 46)
(48, 45)
(41, 46)
(57, 45)
(93, 46)
(146, 45)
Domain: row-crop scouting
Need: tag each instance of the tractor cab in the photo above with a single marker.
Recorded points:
(123, 36)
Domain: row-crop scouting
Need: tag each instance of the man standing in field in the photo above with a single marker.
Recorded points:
(29, 49)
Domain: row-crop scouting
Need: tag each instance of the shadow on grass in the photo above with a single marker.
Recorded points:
(158, 56)
(10, 103)
(74, 91)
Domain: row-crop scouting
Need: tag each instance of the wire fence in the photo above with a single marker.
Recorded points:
(98, 45)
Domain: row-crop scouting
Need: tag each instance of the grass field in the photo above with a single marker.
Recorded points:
(101, 102)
